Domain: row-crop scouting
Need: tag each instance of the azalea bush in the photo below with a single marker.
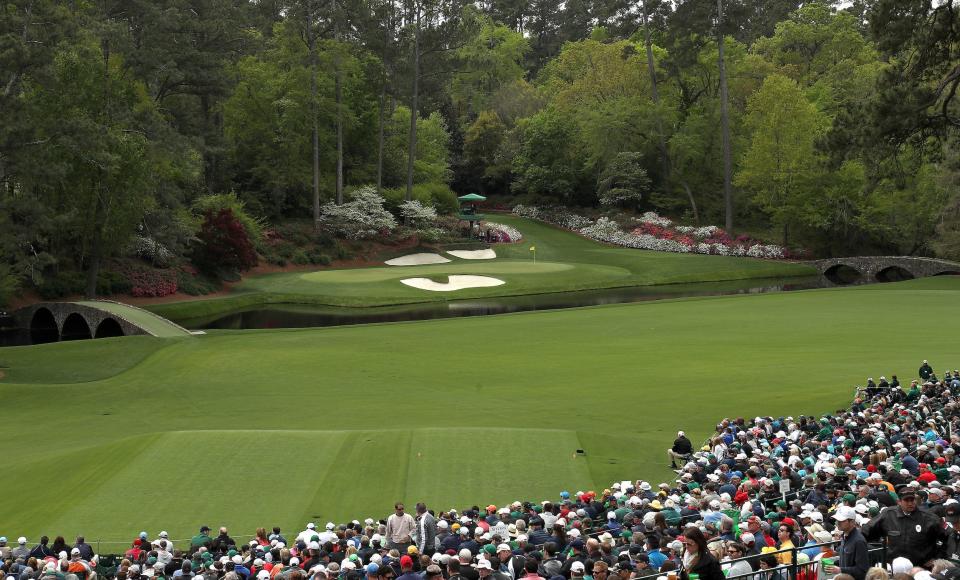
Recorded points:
(362, 217)
(560, 216)
(152, 282)
(506, 233)
(657, 233)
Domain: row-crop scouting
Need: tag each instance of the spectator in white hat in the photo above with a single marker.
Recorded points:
(854, 554)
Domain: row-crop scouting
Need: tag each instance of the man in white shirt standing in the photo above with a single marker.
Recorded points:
(308, 533)
(400, 528)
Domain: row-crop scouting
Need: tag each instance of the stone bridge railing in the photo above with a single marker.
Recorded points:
(881, 267)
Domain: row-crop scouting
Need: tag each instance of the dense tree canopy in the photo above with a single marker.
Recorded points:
(118, 115)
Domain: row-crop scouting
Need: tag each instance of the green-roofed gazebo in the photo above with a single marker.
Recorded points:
(468, 208)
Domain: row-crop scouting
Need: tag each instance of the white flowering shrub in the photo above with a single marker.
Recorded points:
(604, 229)
(150, 249)
(765, 251)
(431, 234)
(651, 217)
(417, 214)
(706, 231)
(362, 217)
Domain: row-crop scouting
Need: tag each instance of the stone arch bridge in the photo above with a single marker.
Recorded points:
(61, 321)
(886, 268)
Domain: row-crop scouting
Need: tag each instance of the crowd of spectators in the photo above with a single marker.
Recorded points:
(764, 499)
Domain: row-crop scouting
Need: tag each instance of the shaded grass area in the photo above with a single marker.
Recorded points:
(565, 262)
(262, 428)
(76, 361)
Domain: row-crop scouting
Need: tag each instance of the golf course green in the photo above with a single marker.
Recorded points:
(565, 262)
(262, 428)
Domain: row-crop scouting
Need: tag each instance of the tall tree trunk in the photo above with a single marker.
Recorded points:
(387, 28)
(312, 46)
(100, 210)
(725, 127)
(693, 202)
(655, 93)
(412, 143)
(338, 82)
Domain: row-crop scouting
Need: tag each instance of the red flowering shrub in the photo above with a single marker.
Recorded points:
(152, 282)
(223, 244)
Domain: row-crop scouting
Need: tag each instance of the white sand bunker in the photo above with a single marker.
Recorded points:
(487, 254)
(417, 260)
(455, 283)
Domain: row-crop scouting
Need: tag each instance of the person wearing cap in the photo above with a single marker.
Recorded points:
(201, 539)
(577, 548)
(486, 572)
(681, 449)
(853, 551)
(925, 370)
(510, 565)
(4, 549)
(538, 536)
(910, 532)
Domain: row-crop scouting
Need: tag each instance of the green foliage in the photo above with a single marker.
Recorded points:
(484, 170)
(432, 164)
(623, 181)
(825, 50)
(196, 284)
(781, 162)
(548, 162)
(72, 283)
(490, 60)
(439, 195)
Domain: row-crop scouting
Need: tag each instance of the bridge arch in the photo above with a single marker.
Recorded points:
(894, 273)
(75, 327)
(43, 327)
(108, 328)
(841, 273)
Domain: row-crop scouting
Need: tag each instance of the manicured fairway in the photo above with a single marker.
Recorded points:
(565, 262)
(262, 428)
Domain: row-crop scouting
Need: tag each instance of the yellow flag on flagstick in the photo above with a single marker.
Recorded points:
(533, 248)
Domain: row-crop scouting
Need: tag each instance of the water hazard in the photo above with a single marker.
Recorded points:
(305, 316)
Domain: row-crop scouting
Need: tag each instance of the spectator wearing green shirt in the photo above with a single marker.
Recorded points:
(201, 539)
